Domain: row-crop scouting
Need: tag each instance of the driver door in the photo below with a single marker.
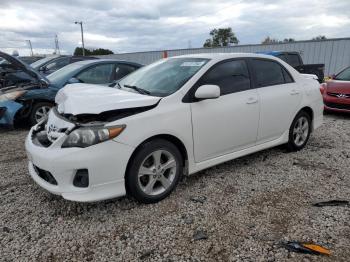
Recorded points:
(228, 123)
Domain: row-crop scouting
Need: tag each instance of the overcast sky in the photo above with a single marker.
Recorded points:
(139, 25)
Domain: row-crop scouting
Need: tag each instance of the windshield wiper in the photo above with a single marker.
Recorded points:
(138, 89)
(114, 84)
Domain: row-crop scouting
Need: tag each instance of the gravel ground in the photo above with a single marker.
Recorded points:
(238, 211)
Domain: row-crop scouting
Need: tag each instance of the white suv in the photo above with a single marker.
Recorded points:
(178, 115)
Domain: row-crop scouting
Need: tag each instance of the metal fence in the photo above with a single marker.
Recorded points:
(334, 53)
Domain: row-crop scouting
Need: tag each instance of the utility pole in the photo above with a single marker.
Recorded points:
(57, 48)
(82, 35)
(30, 46)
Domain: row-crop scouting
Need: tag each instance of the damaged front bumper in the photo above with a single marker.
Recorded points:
(8, 110)
(55, 168)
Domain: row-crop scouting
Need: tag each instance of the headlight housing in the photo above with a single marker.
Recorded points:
(88, 136)
(11, 96)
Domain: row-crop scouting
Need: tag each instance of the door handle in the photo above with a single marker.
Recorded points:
(252, 100)
(294, 92)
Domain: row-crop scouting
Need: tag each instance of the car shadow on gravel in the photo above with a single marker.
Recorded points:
(66, 208)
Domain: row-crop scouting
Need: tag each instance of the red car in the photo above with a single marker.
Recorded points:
(336, 92)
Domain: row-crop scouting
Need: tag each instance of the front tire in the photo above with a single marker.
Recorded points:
(39, 111)
(154, 171)
(299, 132)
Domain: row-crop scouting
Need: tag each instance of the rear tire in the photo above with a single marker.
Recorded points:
(299, 131)
(39, 111)
(154, 171)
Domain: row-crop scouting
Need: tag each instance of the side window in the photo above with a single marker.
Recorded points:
(122, 70)
(58, 63)
(231, 77)
(268, 73)
(98, 74)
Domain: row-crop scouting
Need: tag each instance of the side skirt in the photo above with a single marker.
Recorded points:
(221, 159)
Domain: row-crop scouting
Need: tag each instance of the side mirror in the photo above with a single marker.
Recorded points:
(207, 92)
(332, 76)
(73, 80)
(43, 69)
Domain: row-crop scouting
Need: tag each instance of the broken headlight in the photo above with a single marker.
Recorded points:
(88, 136)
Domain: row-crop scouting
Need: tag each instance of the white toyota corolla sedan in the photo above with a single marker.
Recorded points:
(173, 117)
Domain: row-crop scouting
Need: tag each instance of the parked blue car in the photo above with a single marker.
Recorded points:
(34, 102)
(50, 64)
(15, 76)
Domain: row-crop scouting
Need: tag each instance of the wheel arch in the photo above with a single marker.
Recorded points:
(310, 112)
(28, 106)
(171, 138)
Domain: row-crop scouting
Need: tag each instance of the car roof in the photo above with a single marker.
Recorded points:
(223, 56)
(276, 53)
(97, 61)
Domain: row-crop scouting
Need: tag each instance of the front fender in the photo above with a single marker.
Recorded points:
(47, 94)
(9, 110)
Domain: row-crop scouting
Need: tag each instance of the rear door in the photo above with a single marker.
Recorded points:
(228, 123)
(279, 97)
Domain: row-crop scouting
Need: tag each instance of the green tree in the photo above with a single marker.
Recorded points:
(102, 51)
(98, 51)
(320, 37)
(269, 40)
(288, 40)
(221, 37)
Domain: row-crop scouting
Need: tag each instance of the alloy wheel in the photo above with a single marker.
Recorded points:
(157, 172)
(41, 113)
(301, 131)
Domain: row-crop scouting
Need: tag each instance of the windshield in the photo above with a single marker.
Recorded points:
(61, 75)
(164, 77)
(344, 75)
(40, 62)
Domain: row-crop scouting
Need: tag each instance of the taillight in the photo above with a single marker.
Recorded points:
(323, 87)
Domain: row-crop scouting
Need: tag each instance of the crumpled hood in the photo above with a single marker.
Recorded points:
(79, 99)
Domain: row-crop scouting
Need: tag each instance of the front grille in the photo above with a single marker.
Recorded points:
(46, 175)
(338, 106)
(339, 95)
